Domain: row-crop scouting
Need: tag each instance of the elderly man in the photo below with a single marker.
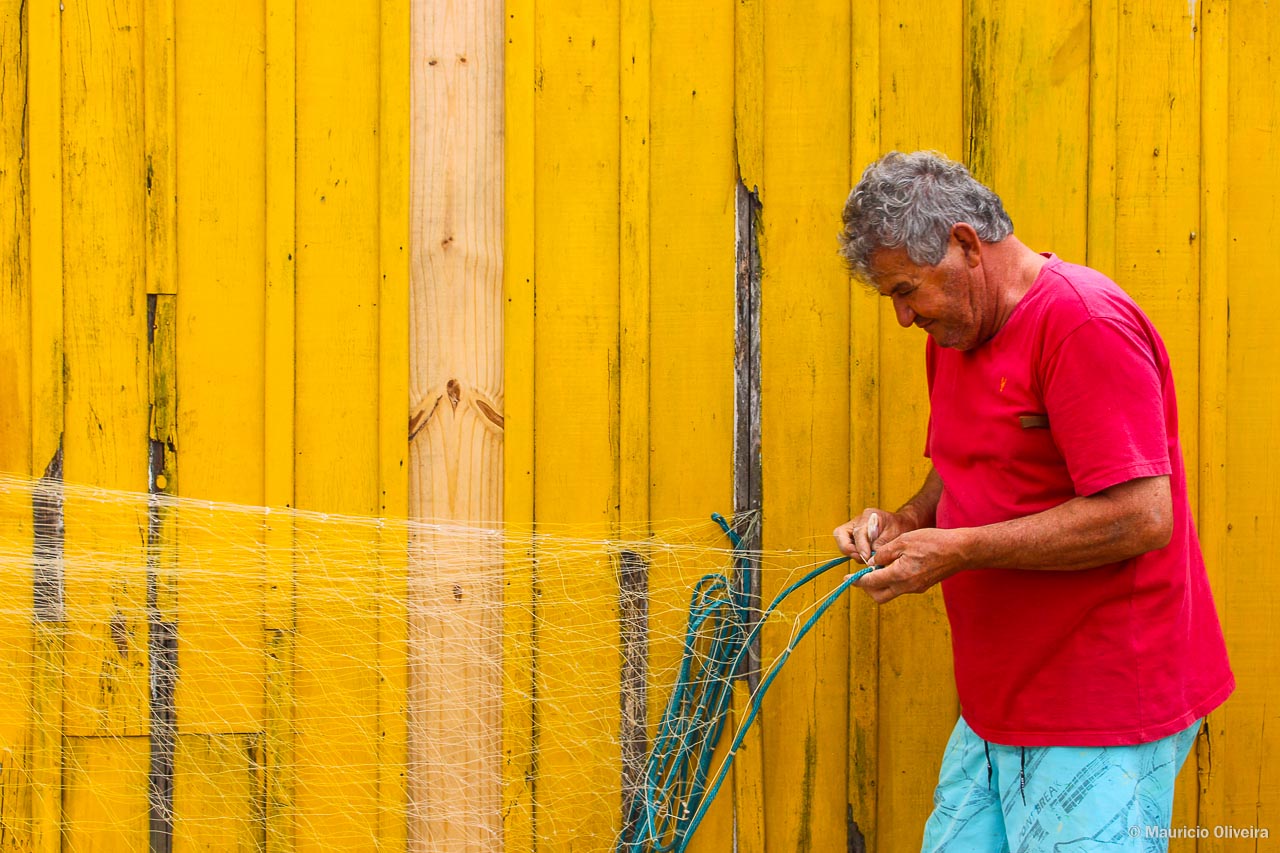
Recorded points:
(1055, 516)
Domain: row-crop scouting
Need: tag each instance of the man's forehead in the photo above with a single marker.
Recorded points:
(891, 266)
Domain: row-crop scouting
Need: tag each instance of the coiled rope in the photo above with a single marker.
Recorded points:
(676, 787)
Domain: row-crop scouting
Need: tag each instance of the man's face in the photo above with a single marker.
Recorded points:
(940, 299)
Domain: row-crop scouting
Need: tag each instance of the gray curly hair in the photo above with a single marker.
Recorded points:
(912, 201)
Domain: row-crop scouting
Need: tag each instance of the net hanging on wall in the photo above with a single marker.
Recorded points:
(234, 676)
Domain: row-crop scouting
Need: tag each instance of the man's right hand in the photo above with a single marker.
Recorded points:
(861, 536)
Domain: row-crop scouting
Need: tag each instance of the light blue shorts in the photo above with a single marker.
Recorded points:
(1056, 799)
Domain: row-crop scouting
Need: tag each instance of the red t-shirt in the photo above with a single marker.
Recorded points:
(1073, 395)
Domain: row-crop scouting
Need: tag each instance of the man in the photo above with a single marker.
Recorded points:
(1086, 645)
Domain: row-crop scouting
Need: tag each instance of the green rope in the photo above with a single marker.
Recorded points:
(676, 788)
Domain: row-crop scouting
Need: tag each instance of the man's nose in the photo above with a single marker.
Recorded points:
(904, 313)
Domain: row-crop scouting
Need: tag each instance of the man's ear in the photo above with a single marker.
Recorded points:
(968, 241)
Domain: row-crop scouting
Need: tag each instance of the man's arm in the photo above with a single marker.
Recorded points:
(1115, 524)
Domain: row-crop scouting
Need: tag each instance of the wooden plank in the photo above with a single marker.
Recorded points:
(638, 20)
(1157, 260)
(638, 702)
(864, 450)
(804, 328)
(1245, 790)
(159, 137)
(218, 793)
(519, 223)
(685, 408)
(748, 92)
(1215, 256)
(15, 248)
(19, 730)
(106, 417)
(1026, 116)
(16, 517)
(279, 326)
(105, 794)
(1157, 212)
(221, 261)
(920, 107)
(576, 364)
(1103, 105)
(336, 442)
(394, 131)
(159, 140)
(44, 157)
(455, 452)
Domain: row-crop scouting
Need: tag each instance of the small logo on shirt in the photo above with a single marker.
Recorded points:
(1003, 381)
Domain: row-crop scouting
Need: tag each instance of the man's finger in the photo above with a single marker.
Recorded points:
(844, 539)
(889, 551)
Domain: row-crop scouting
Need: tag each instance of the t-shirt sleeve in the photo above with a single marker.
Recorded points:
(1103, 393)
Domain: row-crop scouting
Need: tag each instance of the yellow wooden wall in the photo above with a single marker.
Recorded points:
(205, 250)
(205, 293)
(1139, 137)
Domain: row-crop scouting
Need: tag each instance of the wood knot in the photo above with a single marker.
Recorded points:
(454, 390)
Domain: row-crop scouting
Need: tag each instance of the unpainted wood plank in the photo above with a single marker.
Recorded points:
(805, 431)
(920, 107)
(456, 425)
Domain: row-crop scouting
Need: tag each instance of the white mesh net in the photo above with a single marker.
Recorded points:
(234, 677)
